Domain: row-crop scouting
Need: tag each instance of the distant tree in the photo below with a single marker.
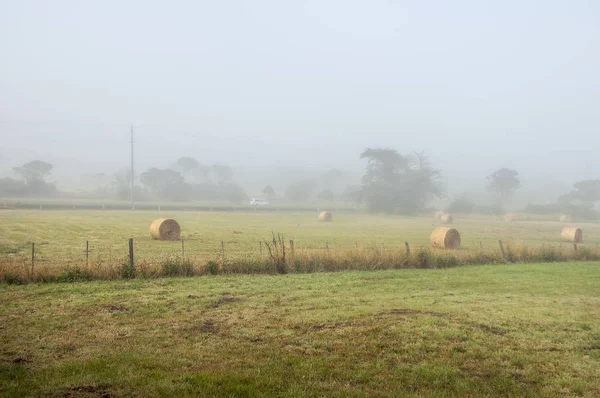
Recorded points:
(269, 192)
(326, 194)
(301, 190)
(503, 183)
(352, 193)
(34, 170)
(223, 174)
(165, 183)
(398, 184)
(186, 164)
(461, 205)
(586, 191)
(330, 178)
(201, 173)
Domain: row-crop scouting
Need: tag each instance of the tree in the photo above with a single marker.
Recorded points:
(165, 183)
(586, 191)
(222, 173)
(352, 193)
(326, 194)
(269, 192)
(398, 184)
(330, 178)
(186, 164)
(301, 190)
(35, 170)
(503, 183)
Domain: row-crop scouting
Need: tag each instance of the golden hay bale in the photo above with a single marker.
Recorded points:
(566, 218)
(165, 229)
(511, 217)
(573, 235)
(445, 238)
(438, 214)
(326, 216)
(447, 219)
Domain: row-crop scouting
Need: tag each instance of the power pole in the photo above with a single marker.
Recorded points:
(131, 177)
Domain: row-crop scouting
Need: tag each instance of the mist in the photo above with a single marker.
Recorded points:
(269, 86)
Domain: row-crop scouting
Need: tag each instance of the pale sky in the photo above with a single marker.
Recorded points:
(477, 85)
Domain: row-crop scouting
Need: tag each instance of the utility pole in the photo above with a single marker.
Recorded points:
(131, 177)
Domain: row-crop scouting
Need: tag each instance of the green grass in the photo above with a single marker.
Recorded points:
(505, 330)
(61, 235)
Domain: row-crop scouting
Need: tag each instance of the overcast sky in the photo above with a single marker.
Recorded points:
(475, 84)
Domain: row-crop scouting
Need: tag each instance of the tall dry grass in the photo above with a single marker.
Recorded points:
(17, 270)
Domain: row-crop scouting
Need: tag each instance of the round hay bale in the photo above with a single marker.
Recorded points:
(445, 238)
(326, 216)
(573, 235)
(511, 217)
(438, 214)
(165, 229)
(447, 219)
(566, 218)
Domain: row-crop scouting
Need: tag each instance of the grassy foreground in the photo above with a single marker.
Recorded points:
(505, 330)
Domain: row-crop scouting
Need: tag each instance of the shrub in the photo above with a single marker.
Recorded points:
(75, 274)
(212, 267)
(461, 205)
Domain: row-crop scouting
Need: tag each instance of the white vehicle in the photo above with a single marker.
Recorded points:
(259, 202)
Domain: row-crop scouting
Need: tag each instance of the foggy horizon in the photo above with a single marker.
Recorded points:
(269, 86)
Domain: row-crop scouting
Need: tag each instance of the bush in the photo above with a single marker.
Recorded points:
(461, 205)
(75, 274)
(212, 267)
(175, 267)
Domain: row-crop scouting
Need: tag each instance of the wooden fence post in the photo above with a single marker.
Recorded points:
(501, 248)
(407, 248)
(260, 245)
(292, 247)
(575, 246)
(223, 252)
(87, 253)
(131, 263)
(32, 258)
(327, 246)
(182, 252)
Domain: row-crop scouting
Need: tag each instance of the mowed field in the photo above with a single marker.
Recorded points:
(60, 236)
(502, 330)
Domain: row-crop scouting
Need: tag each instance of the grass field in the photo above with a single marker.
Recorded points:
(61, 235)
(504, 330)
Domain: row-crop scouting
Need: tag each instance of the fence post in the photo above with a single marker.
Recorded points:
(292, 247)
(87, 253)
(223, 252)
(32, 258)
(131, 263)
(575, 246)
(327, 247)
(260, 245)
(407, 248)
(501, 248)
(182, 252)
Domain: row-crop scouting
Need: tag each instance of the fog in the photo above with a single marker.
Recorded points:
(270, 86)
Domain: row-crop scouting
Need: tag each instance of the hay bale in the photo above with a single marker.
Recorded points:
(165, 229)
(511, 217)
(445, 238)
(326, 216)
(566, 218)
(438, 214)
(447, 219)
(573, 235)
